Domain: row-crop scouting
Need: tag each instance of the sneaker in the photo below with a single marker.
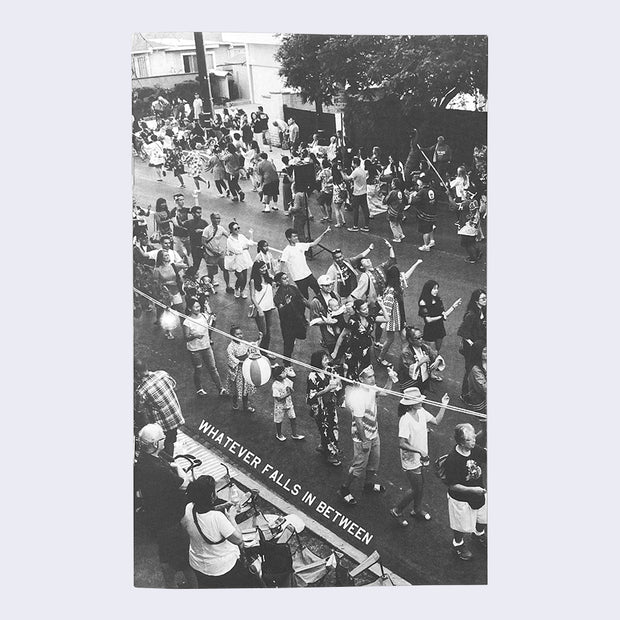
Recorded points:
(235, 199)
(237, 293)
(473, 261)
(395, 240)
(241, 196)
(436, 377)
(298, 437)
(201, 392)
(374, 488)
(230, 289)
(224, 392)
(353, 229)
(227, 194)
(280, 437)
(462, 552)
(432, 243)
(347, 496)
(290, 372)
(481, 539)
(365, 229)
(274, 208)
(424, 248)
(266, 210)
(337, 225)
(244, 295)
(286, 213)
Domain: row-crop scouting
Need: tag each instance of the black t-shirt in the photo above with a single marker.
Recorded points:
(177, 230)
(262, 122)
(346, 279)
(164, 501)
(466, 470)
(193, 225)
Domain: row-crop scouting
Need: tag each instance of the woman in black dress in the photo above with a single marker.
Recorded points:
(473, 329)
(433, 313)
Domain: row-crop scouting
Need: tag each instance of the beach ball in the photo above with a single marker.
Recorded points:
(256, 370)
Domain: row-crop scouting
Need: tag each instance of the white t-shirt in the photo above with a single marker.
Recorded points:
(210, 560)
(264, 297)
(416, 433)
(198, 327)
(295, 259)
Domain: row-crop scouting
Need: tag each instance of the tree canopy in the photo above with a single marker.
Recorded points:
(424, 70)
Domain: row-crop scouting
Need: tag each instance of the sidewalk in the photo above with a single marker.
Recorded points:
(147, 571)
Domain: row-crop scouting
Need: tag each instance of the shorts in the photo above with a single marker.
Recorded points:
(213, 262)
(425, 227)
(278, 415)
(325, 199)
(463, 517)
(365, 460)
(271, 189)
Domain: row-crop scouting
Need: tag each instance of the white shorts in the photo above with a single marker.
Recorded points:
(463, 517)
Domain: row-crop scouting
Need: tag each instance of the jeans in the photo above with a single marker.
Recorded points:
(242, 279)
(416, 481)
(221, 186)
(366, 460)
(397, 231)
(206, 356)
(360, 202)
(197, 256)
(233, 184)
(289, 345)
(264, 325)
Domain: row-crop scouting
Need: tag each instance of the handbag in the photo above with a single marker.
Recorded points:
(252, 310)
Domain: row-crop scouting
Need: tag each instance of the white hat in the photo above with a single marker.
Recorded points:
(412, 396)
(325, 280)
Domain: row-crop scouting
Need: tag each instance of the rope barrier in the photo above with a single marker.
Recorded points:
(303, 364)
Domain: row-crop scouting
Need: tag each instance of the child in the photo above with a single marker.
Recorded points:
(282, 390)
(395, 202)
(327, 188)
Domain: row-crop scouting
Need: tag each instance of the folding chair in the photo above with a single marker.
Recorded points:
(347, 578)
(308, 567)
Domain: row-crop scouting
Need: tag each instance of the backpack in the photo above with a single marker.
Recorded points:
(440, 468)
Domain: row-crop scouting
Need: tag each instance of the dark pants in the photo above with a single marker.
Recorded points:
(242, 279)
(197, 256)
(289, 344)
(264, 325)
(236, 577)
(360, 202)
(221, 186)
(416, 481)
(233, 184)
(306, 283)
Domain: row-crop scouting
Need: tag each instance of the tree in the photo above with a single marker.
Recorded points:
(420, 70)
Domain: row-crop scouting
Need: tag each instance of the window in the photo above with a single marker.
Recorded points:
(139, 66)
(189, 63)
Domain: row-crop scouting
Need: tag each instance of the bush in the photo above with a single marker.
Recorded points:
(143, 96)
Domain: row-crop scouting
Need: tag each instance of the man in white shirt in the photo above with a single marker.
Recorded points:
(362, 402)
(359, 198)
(413, 443)
(166, 246)
(294, 256)
(214, 244)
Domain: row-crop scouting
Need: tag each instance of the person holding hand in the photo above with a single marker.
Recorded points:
(413, 443)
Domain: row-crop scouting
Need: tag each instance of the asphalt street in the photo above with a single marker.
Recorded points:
(421, 553)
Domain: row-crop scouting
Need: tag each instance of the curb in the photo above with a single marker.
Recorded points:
(210, 465)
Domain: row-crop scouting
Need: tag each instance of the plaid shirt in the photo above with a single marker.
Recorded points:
(157, 396)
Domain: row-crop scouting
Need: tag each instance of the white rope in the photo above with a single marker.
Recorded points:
(303, 364)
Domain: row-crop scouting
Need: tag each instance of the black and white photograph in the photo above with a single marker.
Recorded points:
(310, 306)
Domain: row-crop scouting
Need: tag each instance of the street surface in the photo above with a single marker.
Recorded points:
(421, 553)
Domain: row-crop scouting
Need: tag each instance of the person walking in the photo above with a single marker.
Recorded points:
(214, 247)
(238, 259)
(361, 400)
(321, 394)
(359, 200)
(261, 295)
(197, 338)
(425, 203)
(157, 399)
(473, 329)
(467, 505)
(282, 392)
(269, 182)
(413, 444)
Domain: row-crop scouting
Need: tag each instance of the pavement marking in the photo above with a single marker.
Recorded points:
(191, 446)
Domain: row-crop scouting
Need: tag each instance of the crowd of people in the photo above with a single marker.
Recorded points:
(357, 305)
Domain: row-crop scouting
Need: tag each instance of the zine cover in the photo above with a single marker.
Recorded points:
(309, 237)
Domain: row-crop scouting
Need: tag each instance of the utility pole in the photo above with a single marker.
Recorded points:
(204, 85)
